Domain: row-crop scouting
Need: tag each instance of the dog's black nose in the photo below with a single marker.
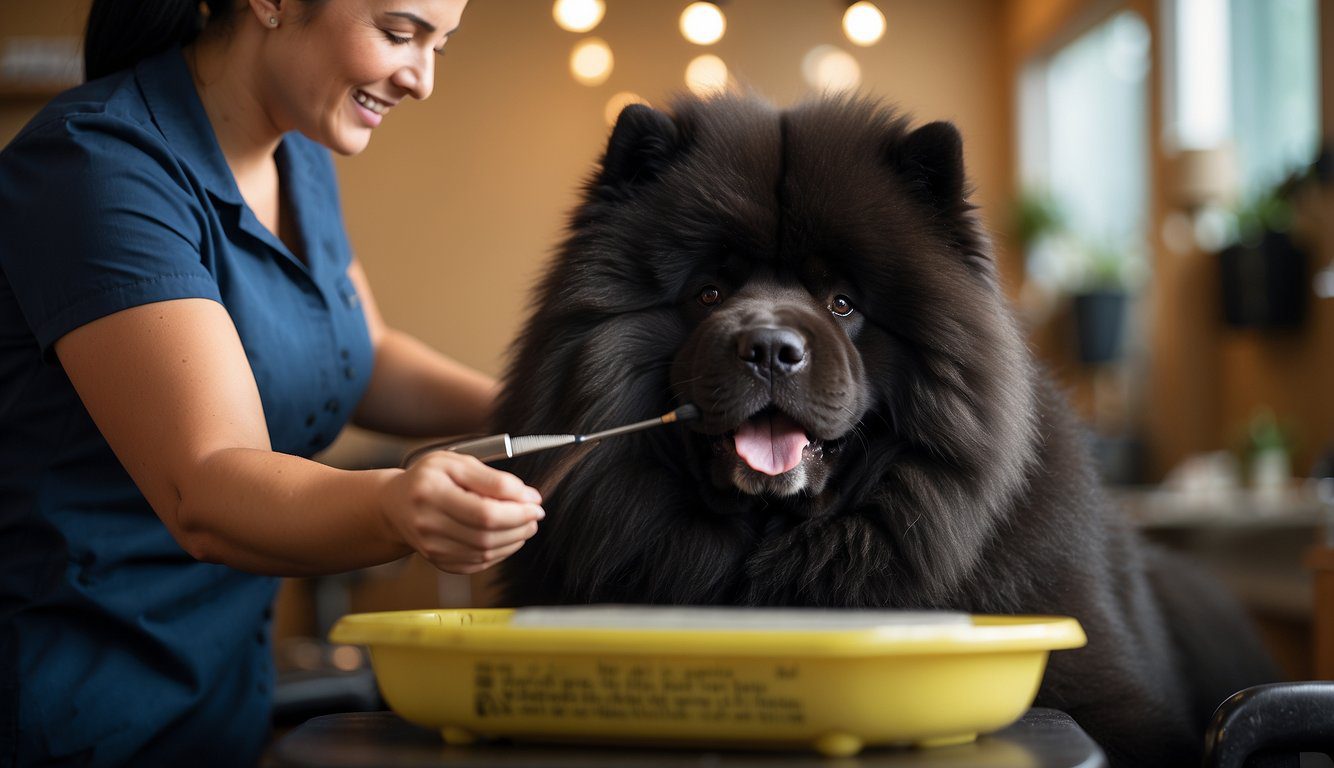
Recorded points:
(772, 351)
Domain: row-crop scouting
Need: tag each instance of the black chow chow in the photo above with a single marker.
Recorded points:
(874, 432)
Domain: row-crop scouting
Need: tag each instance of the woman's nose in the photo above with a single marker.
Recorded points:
(418, 78)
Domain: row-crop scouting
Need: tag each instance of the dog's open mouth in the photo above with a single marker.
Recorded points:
(770, 442)
(770, 453)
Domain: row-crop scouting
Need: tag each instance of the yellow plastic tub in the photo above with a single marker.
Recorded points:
(480, 673)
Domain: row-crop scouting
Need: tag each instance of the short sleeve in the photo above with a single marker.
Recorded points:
(97, 216)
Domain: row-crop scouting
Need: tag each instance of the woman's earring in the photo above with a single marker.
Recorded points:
(273, 21)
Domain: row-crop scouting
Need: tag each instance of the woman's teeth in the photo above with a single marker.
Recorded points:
(369, 102)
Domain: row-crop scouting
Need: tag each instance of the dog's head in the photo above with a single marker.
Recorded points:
(814, 280)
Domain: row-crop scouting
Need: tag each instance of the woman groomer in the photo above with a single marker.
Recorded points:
(182, 324)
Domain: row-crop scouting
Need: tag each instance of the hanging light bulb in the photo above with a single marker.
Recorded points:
(703, 23)
(863, 23)
(578, 15)
(591, 61)
(706, 75)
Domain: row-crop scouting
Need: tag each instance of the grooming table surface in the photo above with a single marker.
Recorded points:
(1042, 738)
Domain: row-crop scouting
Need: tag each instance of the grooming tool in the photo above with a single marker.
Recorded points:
(506, 446)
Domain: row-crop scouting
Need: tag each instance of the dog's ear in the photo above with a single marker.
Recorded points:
(931, 160)
(642, 144)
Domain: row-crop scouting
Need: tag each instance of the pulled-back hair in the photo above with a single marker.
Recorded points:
(121, 33)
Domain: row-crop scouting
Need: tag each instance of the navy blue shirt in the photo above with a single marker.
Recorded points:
(116, 646)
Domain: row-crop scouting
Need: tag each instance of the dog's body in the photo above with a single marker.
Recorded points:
(873, 432)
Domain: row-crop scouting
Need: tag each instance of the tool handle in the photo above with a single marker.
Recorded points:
(488, 448)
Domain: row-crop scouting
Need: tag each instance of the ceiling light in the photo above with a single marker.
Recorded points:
(591, 61)
(863, 23)
(578, 15)
(703, 23)
(706, 75)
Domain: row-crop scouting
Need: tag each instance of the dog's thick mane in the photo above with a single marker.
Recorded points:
(950, 442)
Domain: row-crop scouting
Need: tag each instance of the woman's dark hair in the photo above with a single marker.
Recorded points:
(121, 33)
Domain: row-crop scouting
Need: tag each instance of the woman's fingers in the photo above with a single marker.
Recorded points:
(464, 516)
(473, 475)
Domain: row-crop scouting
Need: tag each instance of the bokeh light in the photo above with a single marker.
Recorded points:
(706, 75)
(703, 23)
(578, 15)
(829, 68)
(591, 61)
(863, 23)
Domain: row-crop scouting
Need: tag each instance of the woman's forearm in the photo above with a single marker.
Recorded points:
(283, 515)
(418, 392)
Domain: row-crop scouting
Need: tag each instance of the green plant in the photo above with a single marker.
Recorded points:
(1269, 211)
(1037, 215)
(1265, 432)
(1063, 259)
(1272, 208)
(1106, 268)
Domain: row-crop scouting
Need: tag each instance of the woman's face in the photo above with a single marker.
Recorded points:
(337, 68)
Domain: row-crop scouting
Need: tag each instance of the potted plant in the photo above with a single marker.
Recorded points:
(1268, 454)
(1100, 304)
(1095, 277)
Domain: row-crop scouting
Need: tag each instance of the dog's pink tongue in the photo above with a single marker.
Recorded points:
(771, 444)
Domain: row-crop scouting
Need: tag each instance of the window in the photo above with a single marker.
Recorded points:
(1084, 150)
(1245, 79)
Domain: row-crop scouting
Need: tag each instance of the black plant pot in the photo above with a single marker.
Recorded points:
(1264, 285)
(1100, 320)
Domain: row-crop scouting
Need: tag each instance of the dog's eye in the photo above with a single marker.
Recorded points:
(841, 306)
(710, 296)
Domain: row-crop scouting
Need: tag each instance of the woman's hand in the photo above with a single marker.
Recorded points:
(460, 514)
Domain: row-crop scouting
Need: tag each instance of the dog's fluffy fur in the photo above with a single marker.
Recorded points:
(711, 261)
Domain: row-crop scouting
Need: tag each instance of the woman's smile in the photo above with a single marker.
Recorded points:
(370, 109)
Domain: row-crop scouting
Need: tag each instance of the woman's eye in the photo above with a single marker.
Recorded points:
(841, 306)
(710, 295)
(396, 39)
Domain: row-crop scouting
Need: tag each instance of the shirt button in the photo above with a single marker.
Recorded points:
(317, 440)
(349, 373)
(343, 353)
(268, 614)
(331, 406)
(310, 420)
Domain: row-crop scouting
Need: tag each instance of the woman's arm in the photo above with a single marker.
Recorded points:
(414, 390)
(169, 386)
